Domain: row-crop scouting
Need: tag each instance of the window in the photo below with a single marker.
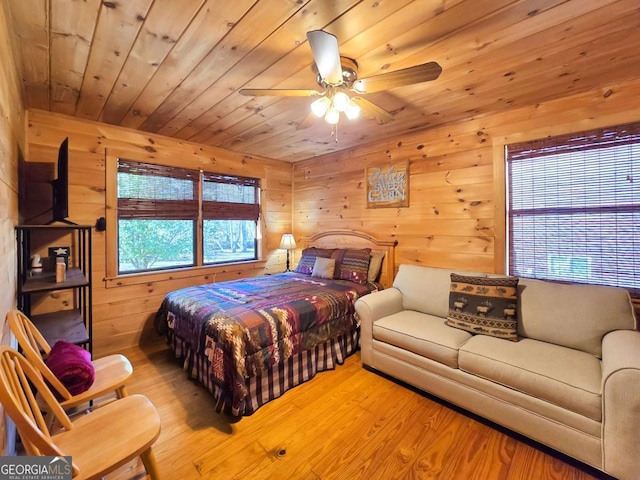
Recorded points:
(574, 208)
(230, 211)
(160, 207)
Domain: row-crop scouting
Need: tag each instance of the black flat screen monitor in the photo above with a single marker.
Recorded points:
(60, 186)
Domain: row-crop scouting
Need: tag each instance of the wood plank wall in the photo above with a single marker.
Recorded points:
(12, 145)
(124, 314)
(456, 213)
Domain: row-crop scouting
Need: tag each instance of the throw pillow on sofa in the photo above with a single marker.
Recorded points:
(484, 305)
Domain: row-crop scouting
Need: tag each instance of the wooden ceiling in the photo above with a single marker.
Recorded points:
(174, 66)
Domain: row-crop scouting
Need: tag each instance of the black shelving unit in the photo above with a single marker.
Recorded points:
(73, 324)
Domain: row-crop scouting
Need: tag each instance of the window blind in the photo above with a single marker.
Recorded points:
(574, 207)
(226, 197)
(148, 192)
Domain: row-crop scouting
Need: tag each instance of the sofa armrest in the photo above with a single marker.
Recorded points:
(371, 308)
(621, 403)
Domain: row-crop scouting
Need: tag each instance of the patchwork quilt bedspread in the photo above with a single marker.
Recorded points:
(247, 326)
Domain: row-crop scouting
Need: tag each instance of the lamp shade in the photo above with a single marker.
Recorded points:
(353, 110)
(340, 101)
(287, 242)
(332, 116)
(320, 106)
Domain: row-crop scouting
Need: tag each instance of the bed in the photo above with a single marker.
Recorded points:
(248, 341)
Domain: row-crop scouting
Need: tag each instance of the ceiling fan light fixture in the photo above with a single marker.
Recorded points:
(320, 106)
(341, 101)
(336, 75)
(333, 116)
(352, 111)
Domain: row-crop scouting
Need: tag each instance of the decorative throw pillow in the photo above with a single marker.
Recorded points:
(352, 264)
(484, 305)
(71, 364)
(324, 267)
(308, 259)
(375, 265)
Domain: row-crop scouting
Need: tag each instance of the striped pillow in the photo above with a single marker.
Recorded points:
(308, 259)
(352, 264)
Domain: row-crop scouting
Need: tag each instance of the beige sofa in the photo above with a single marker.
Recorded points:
(571, 382)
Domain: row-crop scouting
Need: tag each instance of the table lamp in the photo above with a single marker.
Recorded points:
(287, 243)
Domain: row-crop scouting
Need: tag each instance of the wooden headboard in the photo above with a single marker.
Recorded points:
(355, 239)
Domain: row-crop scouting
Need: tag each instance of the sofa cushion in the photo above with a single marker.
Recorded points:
(563, 376)
(422, 334)
(483, 305)
(575, 316)
(426, 289)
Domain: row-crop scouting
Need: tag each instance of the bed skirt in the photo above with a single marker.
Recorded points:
(273, 382)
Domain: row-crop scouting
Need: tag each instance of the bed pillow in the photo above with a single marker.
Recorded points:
(375, 265)
(324, 267)
(308, 259)
(484, 305)
(352, 264)
(71, 364)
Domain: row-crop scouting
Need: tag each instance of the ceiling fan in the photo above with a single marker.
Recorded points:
(338, 75)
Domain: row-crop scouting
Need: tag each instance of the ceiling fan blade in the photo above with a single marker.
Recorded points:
(275, 92)
(326, 55)
(370, 109)
(406, 76)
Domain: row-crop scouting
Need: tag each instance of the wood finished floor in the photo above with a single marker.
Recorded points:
(348, 423)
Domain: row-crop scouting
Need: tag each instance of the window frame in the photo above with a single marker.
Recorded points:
(596, 139)
(115, 279)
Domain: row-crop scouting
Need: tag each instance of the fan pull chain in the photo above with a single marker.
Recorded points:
(334, 132)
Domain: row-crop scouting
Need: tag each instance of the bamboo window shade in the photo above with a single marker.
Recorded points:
(156, 192)
(574, 207)
(228, 197)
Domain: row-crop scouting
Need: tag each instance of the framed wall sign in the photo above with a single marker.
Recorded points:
(388, 186)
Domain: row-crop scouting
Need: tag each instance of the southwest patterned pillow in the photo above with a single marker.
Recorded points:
(484, 305)
(352, 264)
(308, 258)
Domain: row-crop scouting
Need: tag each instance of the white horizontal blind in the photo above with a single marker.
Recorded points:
(574, 208)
